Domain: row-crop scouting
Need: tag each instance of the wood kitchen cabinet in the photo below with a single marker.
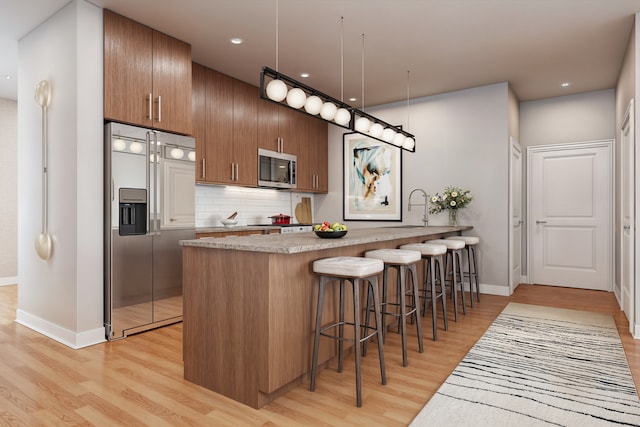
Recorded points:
(229, 151)
(277, 129)
(147, 76)
(313, 155)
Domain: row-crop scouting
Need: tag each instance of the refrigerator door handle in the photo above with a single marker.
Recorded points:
(148, 177)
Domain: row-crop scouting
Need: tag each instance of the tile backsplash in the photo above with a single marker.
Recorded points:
(254, 205)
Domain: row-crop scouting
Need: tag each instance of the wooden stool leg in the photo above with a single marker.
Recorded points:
(373, 281)
(458, 253)
(454, 291)
(416, 304)
(443, 292)
(475, 273)
(357, 336)
(316, 340)
(402, 320)
(341, 328)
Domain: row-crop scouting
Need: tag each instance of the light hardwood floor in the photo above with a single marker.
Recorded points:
(138, 381)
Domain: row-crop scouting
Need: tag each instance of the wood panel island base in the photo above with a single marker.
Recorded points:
(249, 306)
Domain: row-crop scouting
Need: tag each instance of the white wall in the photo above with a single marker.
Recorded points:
(625, 92)
(8, 192)
(63, 297)
(462, 139)
(565, 119)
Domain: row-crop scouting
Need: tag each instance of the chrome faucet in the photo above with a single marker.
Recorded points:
(425, 218)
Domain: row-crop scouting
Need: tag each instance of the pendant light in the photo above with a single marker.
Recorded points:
(343, 115)
(286, 91)
(277, 89)
(409, 143)
(362, 124)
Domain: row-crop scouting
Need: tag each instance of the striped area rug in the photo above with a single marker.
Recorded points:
(539, 366)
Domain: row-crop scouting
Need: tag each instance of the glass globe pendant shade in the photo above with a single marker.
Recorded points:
(119, 145)
(362, 124)
(277, 90)
(388, 135)
(376, 130)
(343, 117)
(408, 144)
(296, 98)
(192, 156)
(313, 105)
(328, 111)
(398, 140)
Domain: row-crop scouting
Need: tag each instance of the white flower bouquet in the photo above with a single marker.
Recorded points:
(452, 198)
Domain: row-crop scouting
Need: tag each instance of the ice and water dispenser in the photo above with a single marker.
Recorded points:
(133, 211)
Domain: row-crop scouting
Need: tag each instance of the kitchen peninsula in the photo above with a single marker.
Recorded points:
(249, 305)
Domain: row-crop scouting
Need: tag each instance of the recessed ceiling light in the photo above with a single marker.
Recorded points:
(565, 84)
(353, 99)
(304, 75)
(236, 40)
(7, 76)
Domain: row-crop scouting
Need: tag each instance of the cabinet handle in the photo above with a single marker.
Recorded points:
(541, 222)
(626, 227)
(159, 108)
(237, 171)
(203, 174)
(281, 145)
(150, 115)
(233, 171)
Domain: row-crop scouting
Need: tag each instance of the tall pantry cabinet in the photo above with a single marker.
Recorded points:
(147, 76)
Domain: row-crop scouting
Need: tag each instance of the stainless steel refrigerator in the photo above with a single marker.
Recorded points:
(149, 207)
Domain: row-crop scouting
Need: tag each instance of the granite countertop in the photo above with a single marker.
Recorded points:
(305, 242)
(265, 228)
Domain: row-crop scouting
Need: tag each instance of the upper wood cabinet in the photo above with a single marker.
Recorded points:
(277, 129)
(225, 128)
(147, 76)
(312, 155)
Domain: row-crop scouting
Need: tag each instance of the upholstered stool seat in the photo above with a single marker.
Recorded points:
(433, 255)
(454, 251)
(402, 261)
(471, 243)
(353, 270)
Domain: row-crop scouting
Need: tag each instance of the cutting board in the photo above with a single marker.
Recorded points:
(303, 211)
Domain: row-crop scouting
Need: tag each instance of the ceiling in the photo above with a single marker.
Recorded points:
(446, 45)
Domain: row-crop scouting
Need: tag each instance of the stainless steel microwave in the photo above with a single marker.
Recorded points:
(277, 170)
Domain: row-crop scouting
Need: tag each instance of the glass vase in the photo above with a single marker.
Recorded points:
(453, 217)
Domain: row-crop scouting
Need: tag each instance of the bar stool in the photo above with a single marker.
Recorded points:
(471, 243)
(432, 254)
(402, 261)
(454, 250)
(354, 270)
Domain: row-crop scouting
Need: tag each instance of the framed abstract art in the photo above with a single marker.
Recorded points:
(372, 179)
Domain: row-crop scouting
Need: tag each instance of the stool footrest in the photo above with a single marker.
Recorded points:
(339, 338)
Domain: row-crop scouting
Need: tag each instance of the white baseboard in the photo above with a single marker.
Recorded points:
(524, 279)
(11, 280)
(75, 340)
(486, 288)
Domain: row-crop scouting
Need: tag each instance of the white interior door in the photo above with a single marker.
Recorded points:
(628, 253)
(515, 207)
(570, 205)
